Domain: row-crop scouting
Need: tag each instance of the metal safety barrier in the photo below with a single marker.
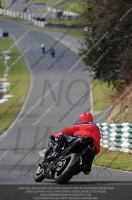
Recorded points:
(116, 137)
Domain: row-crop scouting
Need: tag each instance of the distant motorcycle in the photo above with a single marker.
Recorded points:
(52, 52)
(68, 164)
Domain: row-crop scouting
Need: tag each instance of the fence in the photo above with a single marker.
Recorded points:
(21, 15)
(116, 137)
(29, 17)
(65, 12)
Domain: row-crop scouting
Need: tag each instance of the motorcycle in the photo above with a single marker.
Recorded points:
(68, 164)
(52, 52)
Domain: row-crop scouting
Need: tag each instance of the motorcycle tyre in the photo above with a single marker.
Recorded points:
(70, 170)
(40, 177)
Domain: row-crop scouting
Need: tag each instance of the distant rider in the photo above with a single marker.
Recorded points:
(43, 48)
(52, 51)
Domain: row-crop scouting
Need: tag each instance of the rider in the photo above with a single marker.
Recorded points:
(86, 128)
(52, 50)
(43, 48)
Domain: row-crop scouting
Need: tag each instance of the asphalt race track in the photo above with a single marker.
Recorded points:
(27, 136)
(35, 9)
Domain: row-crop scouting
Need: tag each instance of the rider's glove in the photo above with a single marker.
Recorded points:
(52, 137)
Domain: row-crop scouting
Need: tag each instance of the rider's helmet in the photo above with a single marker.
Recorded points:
(42, 45)
(86, 117)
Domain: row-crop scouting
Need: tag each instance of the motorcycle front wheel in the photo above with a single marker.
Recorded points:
(39, 175)
(68, 167)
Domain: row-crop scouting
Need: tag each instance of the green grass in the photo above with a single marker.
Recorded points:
(44, 9)
(42, 1)
(2, 68)
(102, 94)
(13, 19)
(18, 72)
(72, 22)
(3, 3)
(125, 113)
(77, 33)
(116, 160)
(69, 5)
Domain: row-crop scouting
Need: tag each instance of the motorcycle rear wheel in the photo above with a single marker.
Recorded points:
(39, 175)
(69, 168)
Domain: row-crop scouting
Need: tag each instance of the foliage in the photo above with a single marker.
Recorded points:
(108, 51)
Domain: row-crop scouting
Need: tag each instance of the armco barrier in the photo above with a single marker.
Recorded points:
(116, 137)
(29, 17)
(21, 15)
(65, 12)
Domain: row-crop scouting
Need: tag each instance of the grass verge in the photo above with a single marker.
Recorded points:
(42, 1)
(3, 3)
(77, 33)
(44, 9)
(14, 19)
(102, 95)
(19, 79)
(115, 160)
(72, 22)
(70, 5)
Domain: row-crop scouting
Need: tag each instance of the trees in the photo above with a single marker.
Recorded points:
(108, 51)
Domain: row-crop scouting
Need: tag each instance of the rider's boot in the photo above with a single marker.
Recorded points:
(86, 168)
(88, 159)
